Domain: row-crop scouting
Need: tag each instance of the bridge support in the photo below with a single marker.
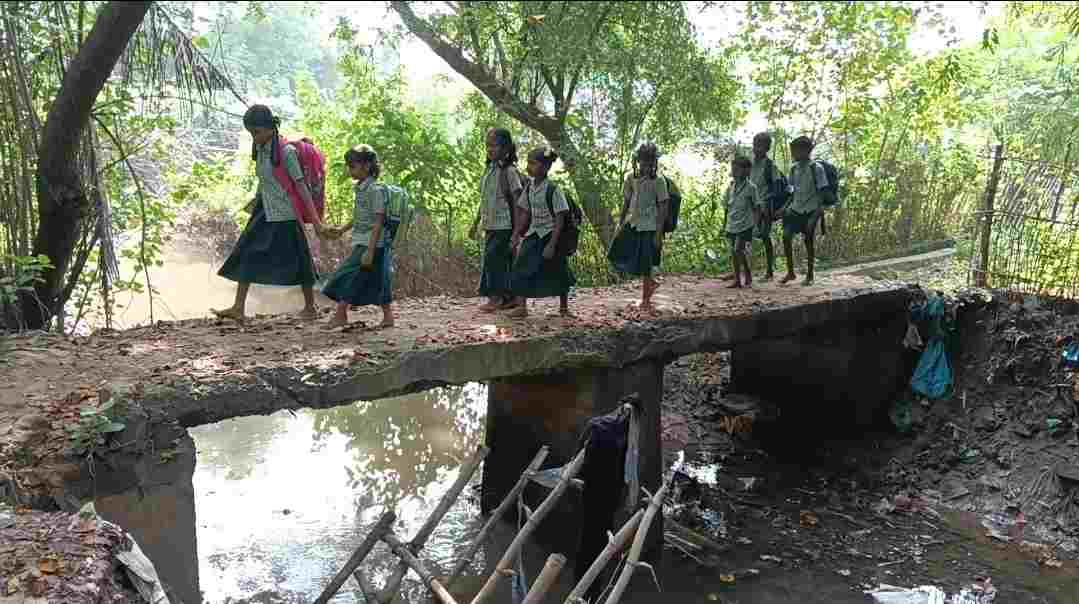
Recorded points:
(525, 413)
(847, 371)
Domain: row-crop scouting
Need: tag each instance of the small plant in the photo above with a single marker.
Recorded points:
(25, 272)
(96, 423)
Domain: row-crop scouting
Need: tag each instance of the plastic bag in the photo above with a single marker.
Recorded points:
(933, 377)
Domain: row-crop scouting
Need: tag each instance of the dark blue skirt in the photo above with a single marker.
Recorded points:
(535, 277)
(634, 252)
(270, 253)
(354, 285)
(497, 264)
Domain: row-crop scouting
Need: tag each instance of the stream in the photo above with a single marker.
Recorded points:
(282, 501)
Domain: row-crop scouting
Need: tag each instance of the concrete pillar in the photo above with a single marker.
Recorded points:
(160, 515)
(525, 413)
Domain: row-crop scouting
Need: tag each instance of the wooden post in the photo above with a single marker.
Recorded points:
(615, 544)
(385, 523)
(403, 552)
(638, 543)
(496, 516)
(569, 471)
(546, 579)
(389, 592)
(981, 279)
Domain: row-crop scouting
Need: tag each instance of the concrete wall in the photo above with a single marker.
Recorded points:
(523, 414)
(160, 515)
(844, 373)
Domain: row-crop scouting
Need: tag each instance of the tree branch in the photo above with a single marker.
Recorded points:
(600, 22)
(493, 89)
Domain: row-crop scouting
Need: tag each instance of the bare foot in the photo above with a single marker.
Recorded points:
(807, 281)
(768, 277)
(229, 313)
(788, 278)
(735, 285)
(490, 307)
(336, 322)
(385, 324)
(308, 314)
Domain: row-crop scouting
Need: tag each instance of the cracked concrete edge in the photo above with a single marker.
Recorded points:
(262, 391)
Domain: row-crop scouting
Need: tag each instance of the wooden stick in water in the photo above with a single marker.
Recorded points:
(389, 592)
(384, 524)
(638, 544)
(496, 516)
(369, 594)
(402, 551)
(614, 545)
(546, 579)
(506, 562)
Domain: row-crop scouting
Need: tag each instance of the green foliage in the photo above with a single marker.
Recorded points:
(90, 434)
(20, 275)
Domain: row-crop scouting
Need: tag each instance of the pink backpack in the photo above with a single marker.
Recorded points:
(313, 163)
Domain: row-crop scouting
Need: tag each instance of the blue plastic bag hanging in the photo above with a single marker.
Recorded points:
(1071, 356)
(933, 377)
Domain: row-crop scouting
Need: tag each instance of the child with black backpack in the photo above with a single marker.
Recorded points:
(541, 268)
(811, 191)
(772, 186)
(499, 189)
(361, 280)
(637, 246)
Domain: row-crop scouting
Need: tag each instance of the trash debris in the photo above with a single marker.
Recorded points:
(1070, 356)
(808, 519)
(979, 593)
(844, 572)
(902, 415)
(933, 376)
(1007, 525)
(750, 483)
(770, 558)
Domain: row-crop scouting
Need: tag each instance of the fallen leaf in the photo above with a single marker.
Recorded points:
(808, 519)
(727, 578)
(48, 566)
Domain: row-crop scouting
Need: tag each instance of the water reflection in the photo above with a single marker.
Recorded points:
(282, 500)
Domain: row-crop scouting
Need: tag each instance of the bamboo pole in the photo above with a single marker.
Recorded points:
(545, 580)
(401, 549)
(615, 544)
(541, 512)
(368, 590)
(393, 584)
(500, 511)
(638, 544)
(381, 528)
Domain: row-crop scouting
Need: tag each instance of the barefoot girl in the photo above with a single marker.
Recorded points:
(541, 214)
(637, 246)
(500, 187)
(273, 248)
(744, 207)
(361, 280)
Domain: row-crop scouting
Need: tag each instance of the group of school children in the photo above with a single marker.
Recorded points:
(520, 219)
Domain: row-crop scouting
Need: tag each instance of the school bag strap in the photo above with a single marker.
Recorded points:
(504, 185)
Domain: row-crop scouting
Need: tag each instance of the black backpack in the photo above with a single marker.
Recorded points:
(833, 182)
(675, 205)
(778, 186)
(571, 230)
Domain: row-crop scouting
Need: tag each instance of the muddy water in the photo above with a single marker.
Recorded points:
(282, 500)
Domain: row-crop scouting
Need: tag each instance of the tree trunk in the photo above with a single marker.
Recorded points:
(62, 201)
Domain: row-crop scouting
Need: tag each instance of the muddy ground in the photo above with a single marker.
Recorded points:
(980, 491)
